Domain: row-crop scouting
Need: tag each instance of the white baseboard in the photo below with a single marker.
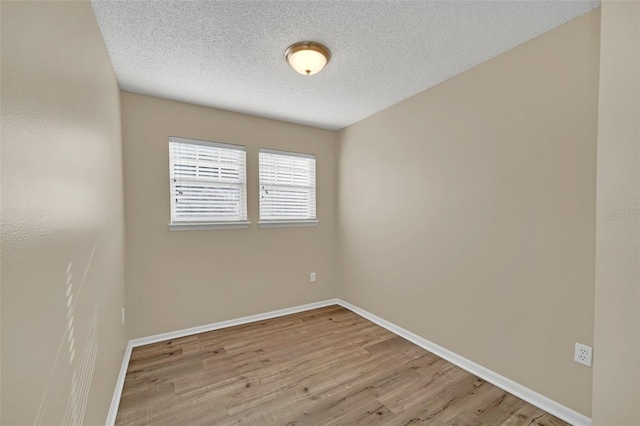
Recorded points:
(230, 323)
(522, 392)
(115, 401)
(117, 394)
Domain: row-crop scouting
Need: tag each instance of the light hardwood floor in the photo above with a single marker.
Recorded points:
(327, 366)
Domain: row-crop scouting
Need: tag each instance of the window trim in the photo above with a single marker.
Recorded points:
(287, 223)
(201, 142)
(288, 153)
(187, 225)
(193, 226)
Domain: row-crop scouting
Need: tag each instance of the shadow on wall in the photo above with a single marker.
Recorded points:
(79, 367)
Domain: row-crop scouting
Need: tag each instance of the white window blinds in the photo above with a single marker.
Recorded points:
(208, 181)
(287, 186)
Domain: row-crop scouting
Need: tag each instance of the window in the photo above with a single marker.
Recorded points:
(287, 189)
(208, 185)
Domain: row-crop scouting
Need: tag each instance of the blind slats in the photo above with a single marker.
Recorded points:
(287, 186)
(208, 181)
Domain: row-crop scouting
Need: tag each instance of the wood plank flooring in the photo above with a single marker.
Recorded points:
(327, 366)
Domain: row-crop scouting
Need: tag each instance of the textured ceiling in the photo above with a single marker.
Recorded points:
(229, 54)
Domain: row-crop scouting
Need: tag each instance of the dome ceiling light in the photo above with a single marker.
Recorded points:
(307, 57)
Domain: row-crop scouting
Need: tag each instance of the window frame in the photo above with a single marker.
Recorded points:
(282, 223)
(186, 225)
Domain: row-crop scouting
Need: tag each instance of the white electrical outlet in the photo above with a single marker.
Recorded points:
(123, 315)
(583, 354)
(312, 277)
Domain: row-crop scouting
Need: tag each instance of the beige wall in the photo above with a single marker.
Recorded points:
(485, 243)
(467, 212)
(62, 217)
(179, 279)
(616, 373)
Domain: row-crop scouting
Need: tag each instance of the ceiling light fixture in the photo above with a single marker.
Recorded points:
(307, 57)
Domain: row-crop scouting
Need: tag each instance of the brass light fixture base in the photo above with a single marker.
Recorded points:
(307, 45)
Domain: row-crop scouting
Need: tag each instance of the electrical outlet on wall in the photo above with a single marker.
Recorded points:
(583, 354)
(312, 277)
(123, 315)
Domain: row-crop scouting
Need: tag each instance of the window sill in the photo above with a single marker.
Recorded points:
(192, 226)
(287, 223)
